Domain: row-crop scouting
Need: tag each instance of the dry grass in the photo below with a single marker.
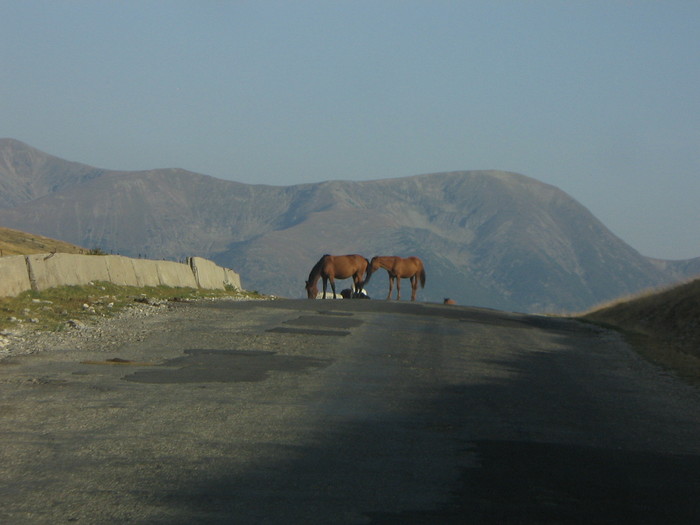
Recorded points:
(14, 242)
(663, 325)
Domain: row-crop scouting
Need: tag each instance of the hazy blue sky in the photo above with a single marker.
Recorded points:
(599, 98)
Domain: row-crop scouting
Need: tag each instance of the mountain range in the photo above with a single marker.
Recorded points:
(487, 238)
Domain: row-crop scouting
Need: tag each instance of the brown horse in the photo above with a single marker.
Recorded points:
(332, 267)
(399, 268)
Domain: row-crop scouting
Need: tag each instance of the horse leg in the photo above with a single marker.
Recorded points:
(325, 285)
(398, 288)
(333, 286)
(391, 286)
(357, 284)
(414, 287)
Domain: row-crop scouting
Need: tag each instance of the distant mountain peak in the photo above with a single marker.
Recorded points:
(487, 238)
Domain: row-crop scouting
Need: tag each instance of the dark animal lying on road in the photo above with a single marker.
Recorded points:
(349, 294)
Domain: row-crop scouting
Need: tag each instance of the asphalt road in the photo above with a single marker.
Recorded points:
(347, 412)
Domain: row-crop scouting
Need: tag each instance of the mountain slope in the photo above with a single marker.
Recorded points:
(505, 239)
(487, 238)
(28, 174)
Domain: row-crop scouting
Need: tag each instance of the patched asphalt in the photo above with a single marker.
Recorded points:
(350, 412)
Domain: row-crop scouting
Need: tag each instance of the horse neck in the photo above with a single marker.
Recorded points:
(314, 276)
(316, 271)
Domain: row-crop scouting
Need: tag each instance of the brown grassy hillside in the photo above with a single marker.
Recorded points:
(15, 242)
(665, 326)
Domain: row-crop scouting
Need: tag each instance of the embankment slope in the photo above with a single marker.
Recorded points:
(664, 325)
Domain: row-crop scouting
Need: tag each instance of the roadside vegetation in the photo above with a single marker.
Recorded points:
(664, 326)
(58, 308)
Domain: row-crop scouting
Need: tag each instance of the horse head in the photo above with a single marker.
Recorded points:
(372, 266)
(311, 290)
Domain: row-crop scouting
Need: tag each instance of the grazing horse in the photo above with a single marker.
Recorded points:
(399, 268)
(332, 267)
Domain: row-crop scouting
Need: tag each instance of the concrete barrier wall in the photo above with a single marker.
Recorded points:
(211, 276)
(14, 277)
(42, 271)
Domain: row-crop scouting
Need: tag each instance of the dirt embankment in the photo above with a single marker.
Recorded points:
(665, 326)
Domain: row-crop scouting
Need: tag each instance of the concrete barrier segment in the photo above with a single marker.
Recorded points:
(14, 276)
(65, 269)
(121, 270)
(207, 273)
(146, 272)
(175, 274)
(231, 278)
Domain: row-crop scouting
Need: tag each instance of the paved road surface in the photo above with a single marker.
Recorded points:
(347, 412)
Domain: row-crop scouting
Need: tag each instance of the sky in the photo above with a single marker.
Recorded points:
(598, 98)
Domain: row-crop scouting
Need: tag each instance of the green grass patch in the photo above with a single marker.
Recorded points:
(51, 309)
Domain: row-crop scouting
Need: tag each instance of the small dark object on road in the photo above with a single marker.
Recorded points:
(349, 294)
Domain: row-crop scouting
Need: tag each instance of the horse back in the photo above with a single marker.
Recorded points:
(344, 266)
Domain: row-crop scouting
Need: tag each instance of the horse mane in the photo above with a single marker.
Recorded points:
(316, 270)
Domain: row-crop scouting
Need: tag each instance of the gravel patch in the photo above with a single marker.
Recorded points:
(128, 325)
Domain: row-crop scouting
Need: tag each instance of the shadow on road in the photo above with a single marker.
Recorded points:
(348, 476)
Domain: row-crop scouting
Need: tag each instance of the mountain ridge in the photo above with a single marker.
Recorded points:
(488, 238)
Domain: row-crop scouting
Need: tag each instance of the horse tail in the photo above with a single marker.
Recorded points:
(422, 276)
